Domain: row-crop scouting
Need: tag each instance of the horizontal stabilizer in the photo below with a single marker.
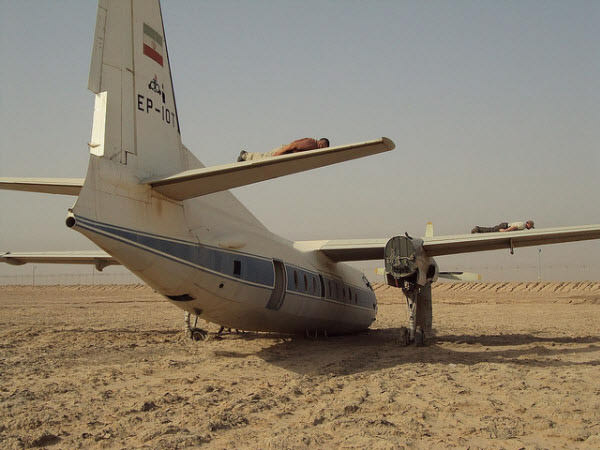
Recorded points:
(97, 258)
(197, 182)
(64, 186)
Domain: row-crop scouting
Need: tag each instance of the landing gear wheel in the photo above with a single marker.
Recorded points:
(195, 333)
(419, 337)
(198, 334)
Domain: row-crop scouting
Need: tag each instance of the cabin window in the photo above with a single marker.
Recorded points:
(305, 283)
(322, 285)
(314, 285)
(295, 279)
(237, 268)
(330, 290)
(355, 298)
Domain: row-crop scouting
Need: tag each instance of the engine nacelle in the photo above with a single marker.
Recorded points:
(405, 260)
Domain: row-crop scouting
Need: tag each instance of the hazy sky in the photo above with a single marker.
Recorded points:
(494, 108)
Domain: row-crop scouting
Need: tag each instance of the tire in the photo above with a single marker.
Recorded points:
(199, 335)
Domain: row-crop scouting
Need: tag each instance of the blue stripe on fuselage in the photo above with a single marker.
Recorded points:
(253, 269)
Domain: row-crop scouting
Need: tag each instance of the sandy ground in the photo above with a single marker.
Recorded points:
(513, 365)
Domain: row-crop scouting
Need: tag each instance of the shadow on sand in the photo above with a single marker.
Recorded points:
(380, 349)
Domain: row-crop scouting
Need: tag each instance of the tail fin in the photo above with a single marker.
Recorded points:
(135, 117)
(135, 132)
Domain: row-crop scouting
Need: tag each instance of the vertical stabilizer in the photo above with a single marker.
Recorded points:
(135, 119)
(135, 136)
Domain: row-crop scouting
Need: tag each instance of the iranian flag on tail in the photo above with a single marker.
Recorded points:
(153, 44)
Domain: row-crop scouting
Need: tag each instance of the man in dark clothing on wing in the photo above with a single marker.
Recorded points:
(504, 226)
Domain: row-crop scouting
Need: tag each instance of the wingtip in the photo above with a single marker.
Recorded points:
(389, 144)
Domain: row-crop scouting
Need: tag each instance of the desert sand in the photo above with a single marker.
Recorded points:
(511, 365)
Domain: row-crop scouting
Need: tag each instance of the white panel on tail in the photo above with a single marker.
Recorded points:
(96, 144)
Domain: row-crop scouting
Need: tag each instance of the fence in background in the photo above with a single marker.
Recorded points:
(524, 272)
(34, 279)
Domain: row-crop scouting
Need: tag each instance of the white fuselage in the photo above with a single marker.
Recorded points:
(211, 257)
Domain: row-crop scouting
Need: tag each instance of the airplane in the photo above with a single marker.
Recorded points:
(150, 205)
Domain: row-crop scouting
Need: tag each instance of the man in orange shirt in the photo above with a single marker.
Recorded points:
(299, 145)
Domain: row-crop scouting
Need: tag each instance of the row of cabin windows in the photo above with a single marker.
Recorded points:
(337, 291)
(306, 283)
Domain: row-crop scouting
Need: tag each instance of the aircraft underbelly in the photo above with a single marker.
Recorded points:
(242, 314)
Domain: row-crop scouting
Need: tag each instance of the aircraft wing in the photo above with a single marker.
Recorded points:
(479, 242)
(97, 258)
(197, 182)
(64, 186)
(368, 249)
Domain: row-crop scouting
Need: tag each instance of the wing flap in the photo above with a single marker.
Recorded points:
(97, 258)
(63, 186)
(197, 182)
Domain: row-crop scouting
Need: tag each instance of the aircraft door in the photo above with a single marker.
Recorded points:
(278, 294)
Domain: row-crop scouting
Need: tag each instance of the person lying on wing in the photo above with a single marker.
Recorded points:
(299, 145)
(504, 226)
